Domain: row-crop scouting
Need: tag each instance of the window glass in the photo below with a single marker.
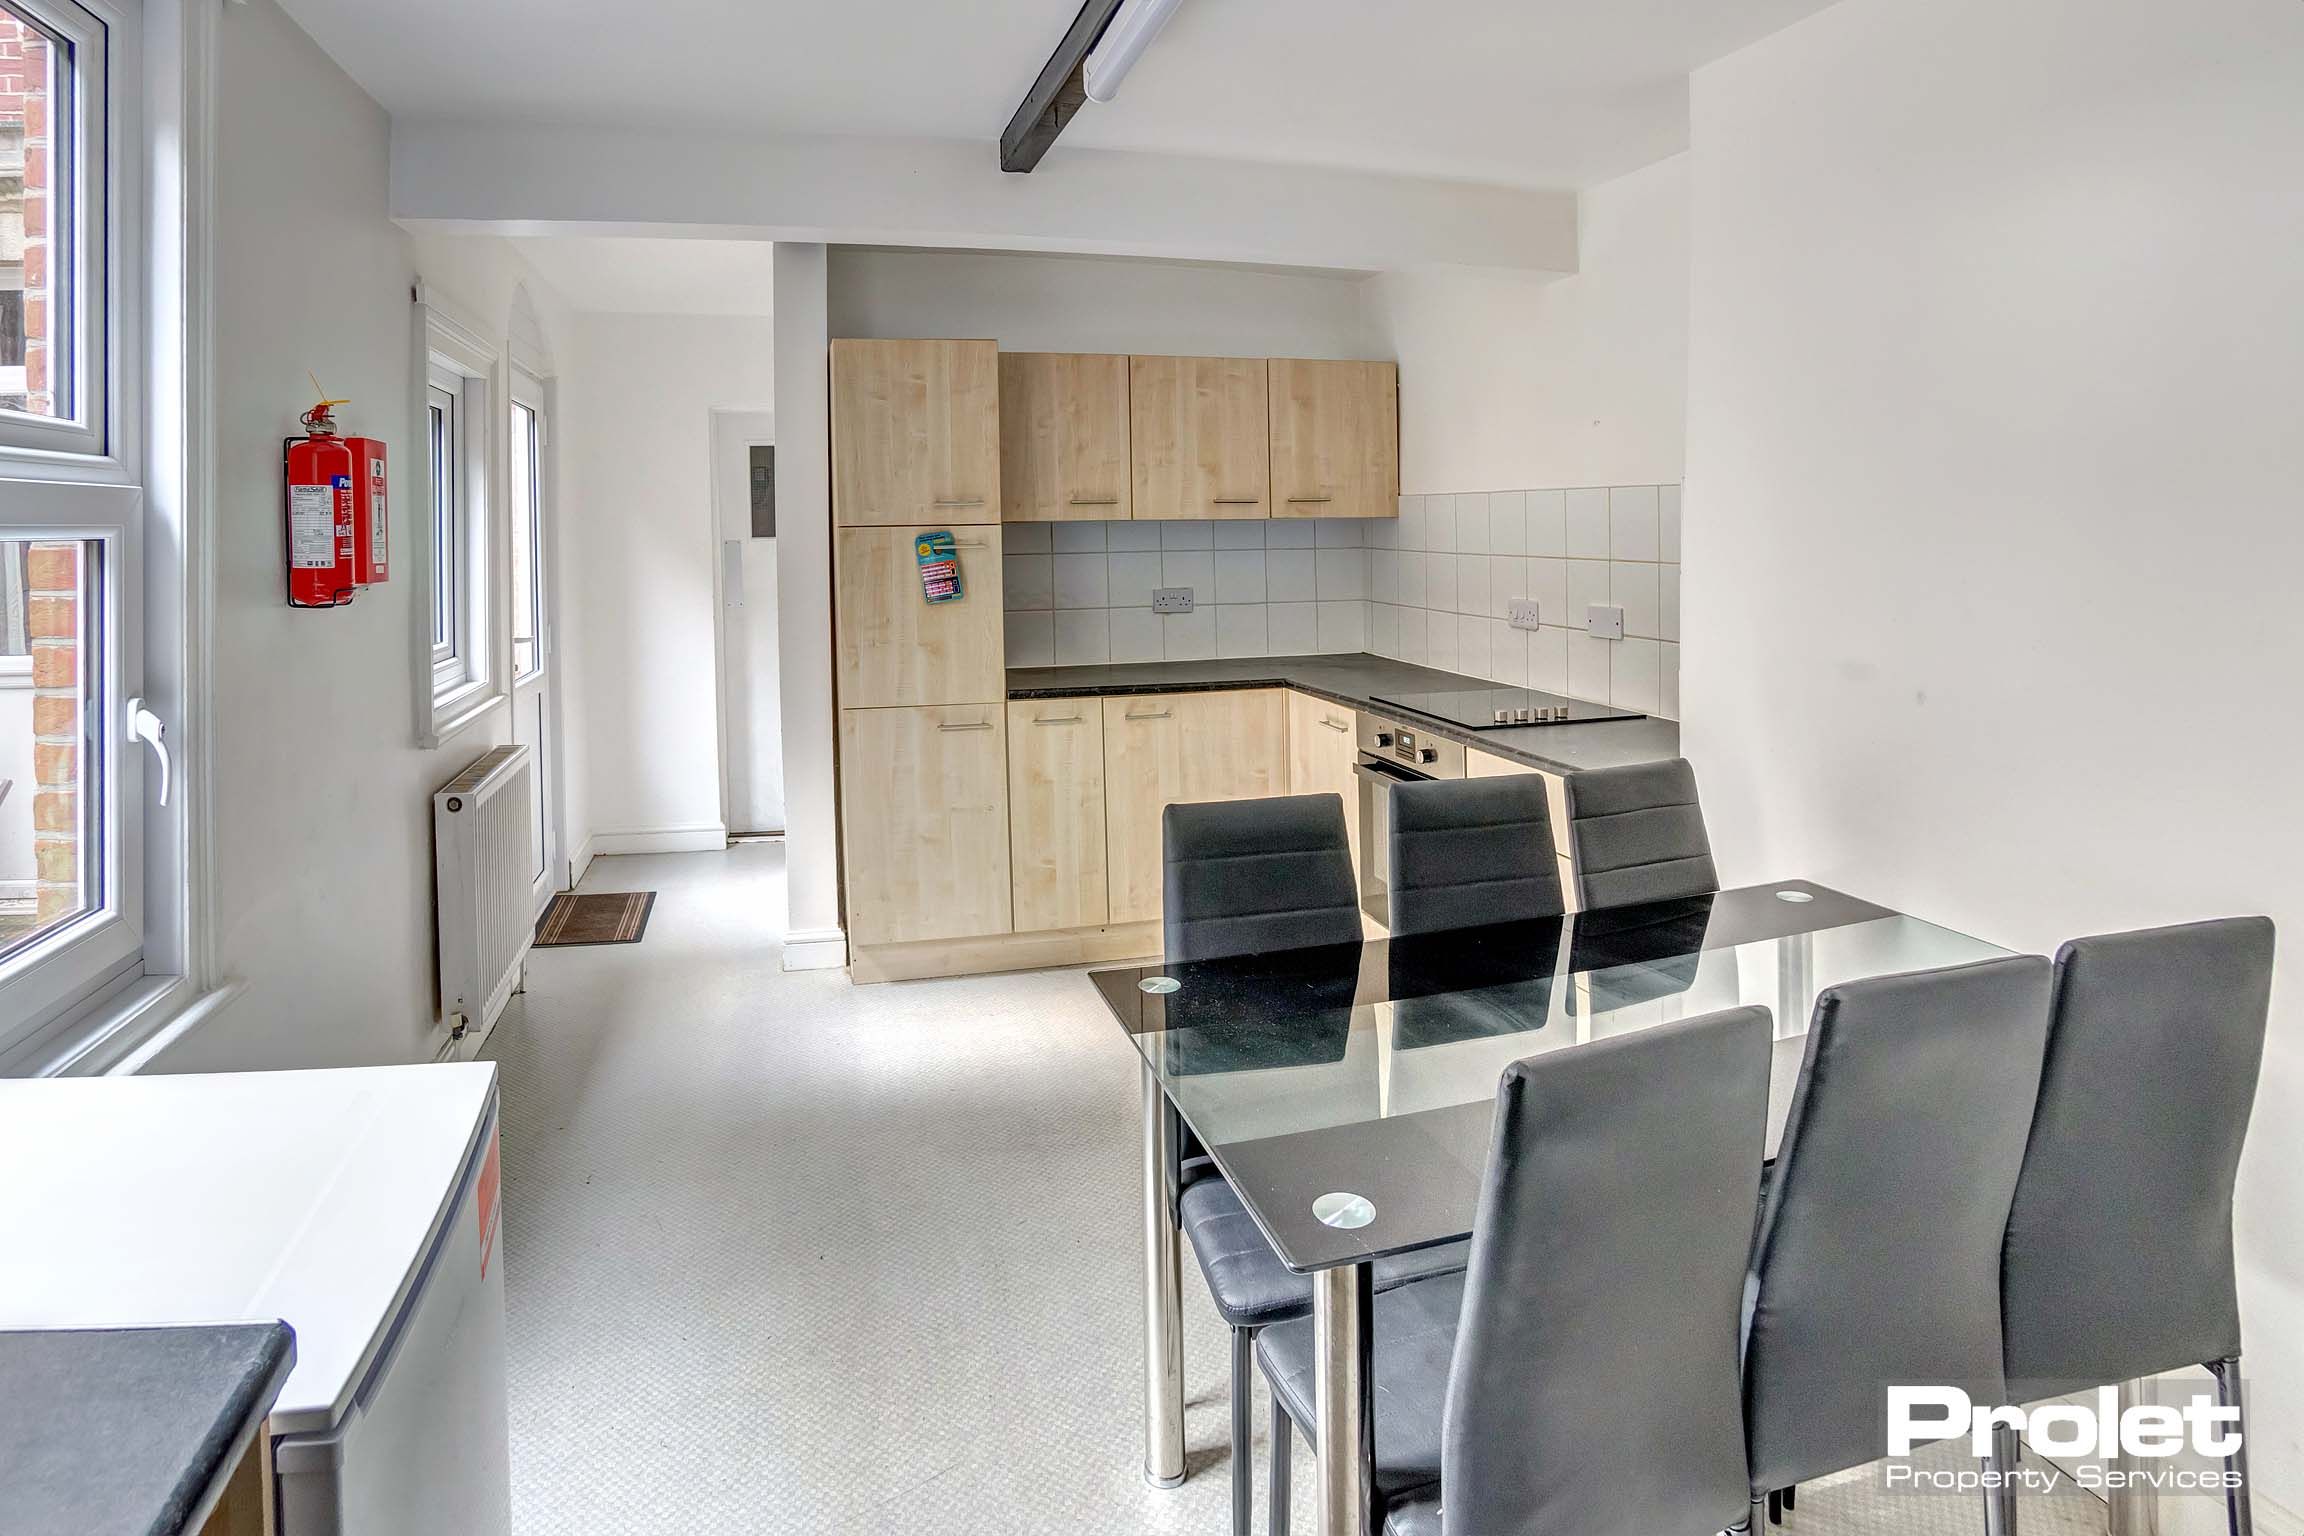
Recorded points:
(50, 856)
(441, 413)
(527, 520)
(36, 375)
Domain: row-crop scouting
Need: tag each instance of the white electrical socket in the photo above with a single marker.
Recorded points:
(1603, 622)
(1171, 599)
(1521, 613)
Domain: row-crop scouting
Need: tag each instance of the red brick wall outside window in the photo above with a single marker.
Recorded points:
(25, 216)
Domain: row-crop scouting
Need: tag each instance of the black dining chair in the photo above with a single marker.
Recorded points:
(2118, 1259)
(1467, 852)
(1581, 1374)
(1249, 877)
(1876, 1260)
(1637, 834)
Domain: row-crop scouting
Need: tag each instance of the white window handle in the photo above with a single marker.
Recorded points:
(147, 727)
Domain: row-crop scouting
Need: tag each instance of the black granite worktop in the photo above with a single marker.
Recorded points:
(1357, 679)
(130, 1431)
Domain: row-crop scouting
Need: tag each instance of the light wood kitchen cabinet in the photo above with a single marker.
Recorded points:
(1163, 749)
(1056, 813)
(1200, 441)
(1487, 765)
(1063, 437)
(915, 432)
(895, 647)
(1322, 748)
(925, 797)
(1335, 438)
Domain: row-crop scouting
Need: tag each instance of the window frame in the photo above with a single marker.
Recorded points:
(90, 177)
(457, 692)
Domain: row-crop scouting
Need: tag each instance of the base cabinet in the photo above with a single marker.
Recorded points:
(1486, 765)
(1161, 749)
(1321, 751)
(925, 815)
(1056, 813)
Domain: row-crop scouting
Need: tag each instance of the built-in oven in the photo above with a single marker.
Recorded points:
(1392, 753)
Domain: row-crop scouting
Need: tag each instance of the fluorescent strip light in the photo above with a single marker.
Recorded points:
(1123, 44)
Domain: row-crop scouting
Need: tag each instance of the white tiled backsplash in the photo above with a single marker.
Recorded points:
(1441, 580)
(1081, 593)
(1433, 587)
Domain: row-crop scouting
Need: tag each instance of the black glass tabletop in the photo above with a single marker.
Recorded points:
(1369, 1070)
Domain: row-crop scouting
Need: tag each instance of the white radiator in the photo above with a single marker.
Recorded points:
(480, 855)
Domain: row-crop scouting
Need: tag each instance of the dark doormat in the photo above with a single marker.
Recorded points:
(618, 917)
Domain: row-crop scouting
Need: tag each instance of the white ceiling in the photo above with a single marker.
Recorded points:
(1550, 93)
(637, 276)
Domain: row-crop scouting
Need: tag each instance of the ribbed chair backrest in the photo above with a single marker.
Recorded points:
(2118, 1262)
(1246, 877)
(1637, 834)
(1466, 852)
(1594, 1384)
(1877, 1256)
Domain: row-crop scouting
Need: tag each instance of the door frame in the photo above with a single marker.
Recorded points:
(734, 433)
(531, 383)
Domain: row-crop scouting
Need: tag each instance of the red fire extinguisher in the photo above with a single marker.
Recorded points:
(338, 526)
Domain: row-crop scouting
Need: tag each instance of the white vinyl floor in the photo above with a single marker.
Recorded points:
(791, 1255)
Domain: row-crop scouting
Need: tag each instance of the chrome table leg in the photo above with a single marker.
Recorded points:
(1163, 1298)
(2237, 1508)
(2135, 1507)
(1343, 1401)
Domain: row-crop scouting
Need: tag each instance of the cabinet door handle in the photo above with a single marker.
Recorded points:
(1095, 501)
(1294, 499)
(1239, 501)
(1056, 720)
(959, 501)
(973, 725)
(968, 544)
(1160, 715)
(1335, 725)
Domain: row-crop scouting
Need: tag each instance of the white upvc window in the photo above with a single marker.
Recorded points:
(59, 282)
(461, 672)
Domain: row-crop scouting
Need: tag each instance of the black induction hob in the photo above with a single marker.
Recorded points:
(1499, 709)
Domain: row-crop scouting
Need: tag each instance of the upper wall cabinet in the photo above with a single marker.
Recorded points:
(1063, 436)
(915, 432)
(1200, 438)
(1335, 438)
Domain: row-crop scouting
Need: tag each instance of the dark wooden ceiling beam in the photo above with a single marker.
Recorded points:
(1058, 93)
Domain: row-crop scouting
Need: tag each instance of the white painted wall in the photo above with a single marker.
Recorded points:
(1519, 378)
(1994, 479)
(1033, 303)
(641, 563)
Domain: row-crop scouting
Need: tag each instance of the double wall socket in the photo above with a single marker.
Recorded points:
(1171, 599)
(1522, 613)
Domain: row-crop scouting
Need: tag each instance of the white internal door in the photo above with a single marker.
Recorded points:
(532, 669)
(751, 712)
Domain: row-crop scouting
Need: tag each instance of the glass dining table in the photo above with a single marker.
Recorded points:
(1347, 1092)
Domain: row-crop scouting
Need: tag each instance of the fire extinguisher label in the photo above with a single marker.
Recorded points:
(311, 527)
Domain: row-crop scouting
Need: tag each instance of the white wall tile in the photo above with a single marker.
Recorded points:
(1548, 584)
(1246, 533)
(1028, 580)
(1632, 587)
(1030, 538)
(1383, 533)
(1343, 626)
(1508, 522)
(1293, 629)
(1507, 579)
(1130, 579)
(1031, 639)
(1240, 576)
(1588, 666)
(1632, 522)
(1290, 533)
(1668, 686)
(1189, 636)
(1341, 574)
(1414, 584)
(1078, 538)
(1588, 524)
(1668, 602)
(1340, 532)
(1411, 534)
(1083, 637)
(1635, 673)
(1548, 522)
(1288, 575)
(1194, 568)
(1136, 635)
(1384, 629)
(1240, 629)
(1508, 655)
(1440, 523)
(1587, 584)
(1186, 535)
(1416, 635)
(1440, 583)
(1384, 575)
(1447, 653)
(1472, 584)
(1472, 524)
(1081, 581)
(1668, 522)
(1473, 655)
(1125, 538)
(1548, 660)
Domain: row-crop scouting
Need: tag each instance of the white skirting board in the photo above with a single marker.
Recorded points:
(704, 837)
(815, 949)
